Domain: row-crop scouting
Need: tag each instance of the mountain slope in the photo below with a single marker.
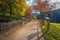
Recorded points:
(55, 15)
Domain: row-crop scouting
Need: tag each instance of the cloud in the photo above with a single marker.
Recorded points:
(29, 2)
(57, 3)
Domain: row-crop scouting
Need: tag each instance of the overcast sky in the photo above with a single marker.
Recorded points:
(29, 2)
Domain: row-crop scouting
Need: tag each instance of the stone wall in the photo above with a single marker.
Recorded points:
(6, 26)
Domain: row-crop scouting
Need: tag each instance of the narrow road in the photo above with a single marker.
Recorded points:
(28, 32)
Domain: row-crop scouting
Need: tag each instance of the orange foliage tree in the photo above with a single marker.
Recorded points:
(43, 6)
(29, 11)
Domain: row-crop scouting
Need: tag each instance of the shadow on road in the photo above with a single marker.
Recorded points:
(31, 36)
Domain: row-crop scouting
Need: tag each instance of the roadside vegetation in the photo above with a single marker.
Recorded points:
(12, 10)
(54, 31)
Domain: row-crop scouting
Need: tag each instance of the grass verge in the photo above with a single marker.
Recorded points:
(53, 33)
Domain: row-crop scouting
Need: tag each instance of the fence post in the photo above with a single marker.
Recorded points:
(48, 22)
(48, 25)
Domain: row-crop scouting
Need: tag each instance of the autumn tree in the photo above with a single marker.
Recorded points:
(29, 11)
(44, 8)
(10, 9)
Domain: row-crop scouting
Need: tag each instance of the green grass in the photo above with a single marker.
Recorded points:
(53, 33)
(56, 24)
